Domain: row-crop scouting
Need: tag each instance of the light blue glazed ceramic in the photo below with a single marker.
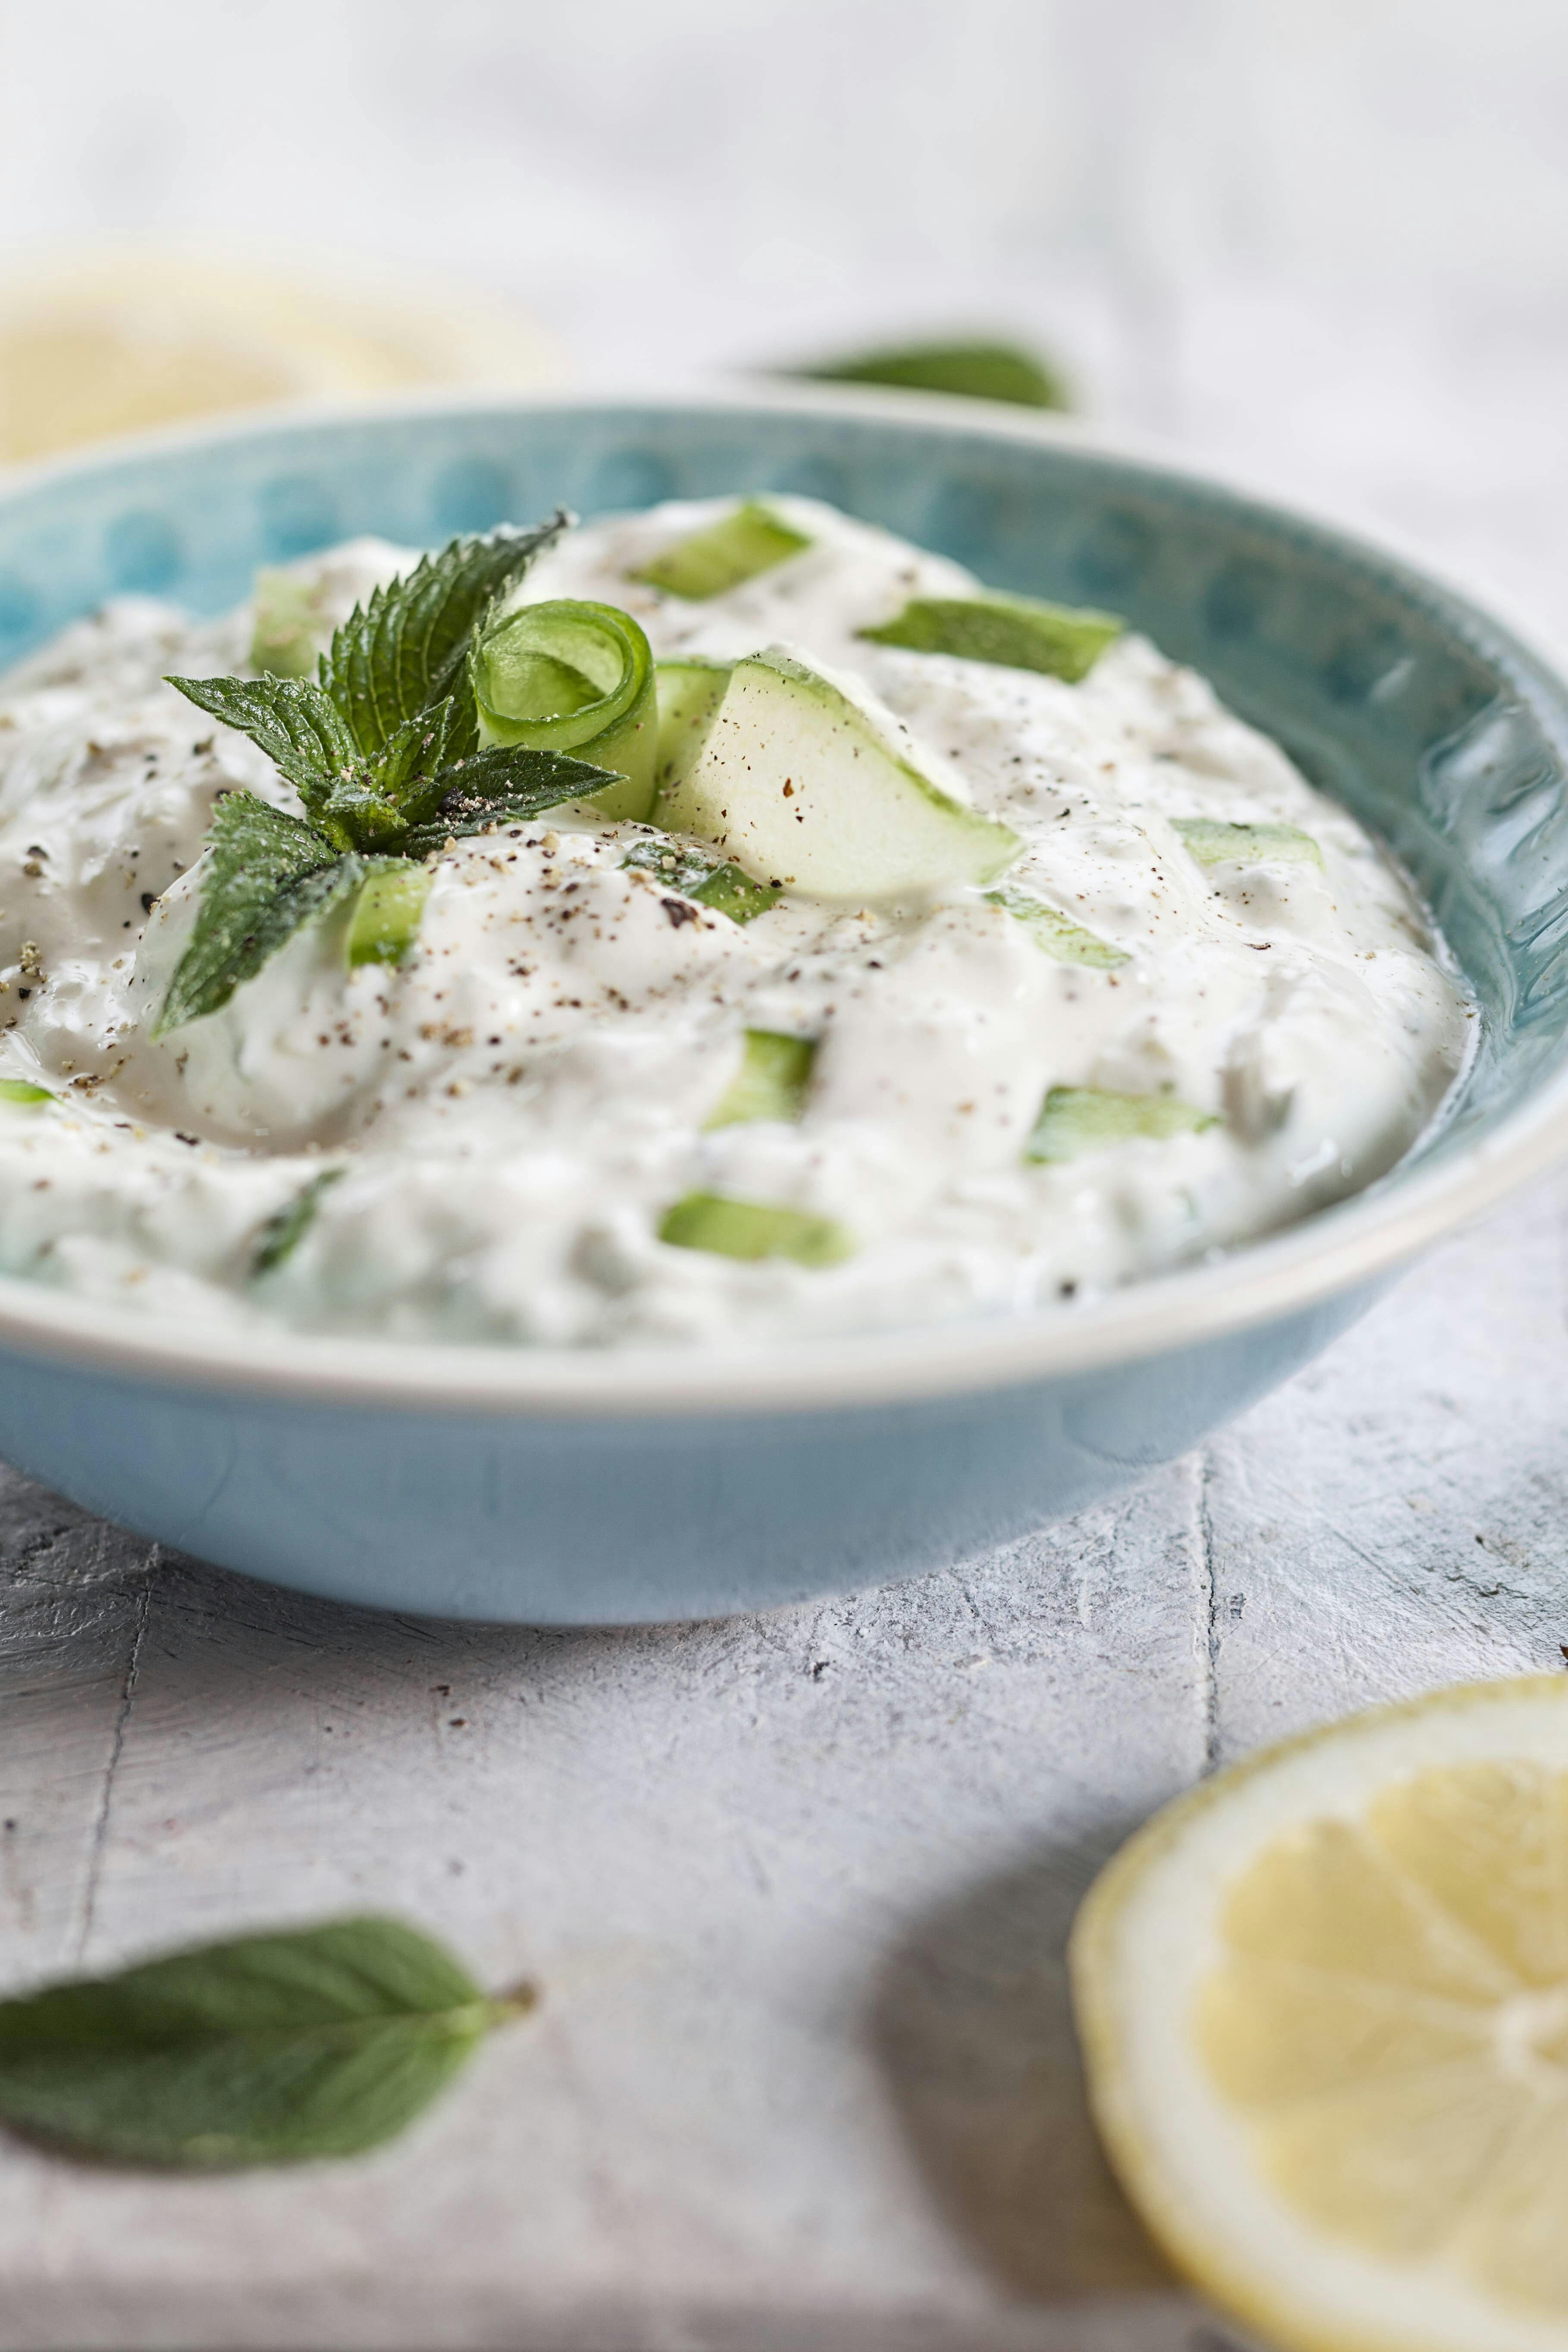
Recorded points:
(574, 1489)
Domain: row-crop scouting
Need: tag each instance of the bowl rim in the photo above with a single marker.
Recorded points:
(1356, 1243)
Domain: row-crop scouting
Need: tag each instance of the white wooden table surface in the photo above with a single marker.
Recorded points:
(797, 1887)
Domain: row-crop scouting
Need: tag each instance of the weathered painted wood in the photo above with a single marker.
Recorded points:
(1397, 1517)
(797, 1890)
(75, 1596)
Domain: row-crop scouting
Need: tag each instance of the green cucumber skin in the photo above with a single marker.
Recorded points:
(723, 555)
(753, 1230)
(870, 824)
(1006, 632)
(688, 694)
(22, 1094)
(730, 892)
(772, 1082)
(1076, 1120)
(288, 632)
(387, 914)
(1057, 935)
(694, 874)
(1213, 841)
(617, 728)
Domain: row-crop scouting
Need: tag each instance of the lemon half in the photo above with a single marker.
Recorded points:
(122, 341)
(1323, 2003)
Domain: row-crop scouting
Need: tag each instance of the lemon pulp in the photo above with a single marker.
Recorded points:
(1391, 2016)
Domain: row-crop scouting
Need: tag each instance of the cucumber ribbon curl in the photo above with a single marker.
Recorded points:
(577, 678)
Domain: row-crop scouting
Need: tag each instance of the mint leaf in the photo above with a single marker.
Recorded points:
(383, 754)
(417, 751)
(976, 370)
(267, 873)
(284, 1230)
(292, 720)
(371, 805)
(408, 646)
(321, 2041)
(505, 784)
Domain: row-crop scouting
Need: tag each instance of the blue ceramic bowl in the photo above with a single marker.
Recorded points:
(575, 1488)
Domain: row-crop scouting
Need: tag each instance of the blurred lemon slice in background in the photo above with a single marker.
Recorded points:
(1323, 2002)
(122, 341)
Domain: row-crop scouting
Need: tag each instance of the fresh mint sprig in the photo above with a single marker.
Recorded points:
(382, 749)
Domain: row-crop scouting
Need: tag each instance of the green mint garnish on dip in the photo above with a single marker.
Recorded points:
(385, 750)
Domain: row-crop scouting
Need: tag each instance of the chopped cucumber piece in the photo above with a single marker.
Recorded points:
(1056, 934)
(723, 887)
(1010, 632)
(1074, 1119)
(289, 627)
(689, 693)
(284, 1230)
(676, 863)
(723, 555)
(578, 677)
(974, 370)
(808, 790)
(387, 913)
(1216, 844)
(21, 1090)
(753, 1229)
(771, 1082)
(729, 891)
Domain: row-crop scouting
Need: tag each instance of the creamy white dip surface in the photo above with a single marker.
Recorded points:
(508, 1115)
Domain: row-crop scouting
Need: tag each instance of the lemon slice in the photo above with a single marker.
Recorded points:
(122, 342)
(1323, 2003)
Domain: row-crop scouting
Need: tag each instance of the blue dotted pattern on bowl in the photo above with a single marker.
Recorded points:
(1369, 675)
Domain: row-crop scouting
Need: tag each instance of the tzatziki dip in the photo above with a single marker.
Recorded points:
(722, 922)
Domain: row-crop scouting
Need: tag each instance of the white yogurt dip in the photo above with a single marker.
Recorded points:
(484, 1141)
